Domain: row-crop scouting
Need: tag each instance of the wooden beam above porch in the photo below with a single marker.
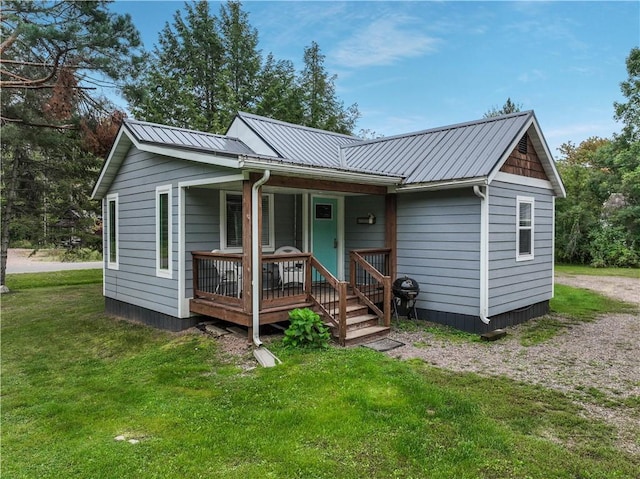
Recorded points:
(323, 185)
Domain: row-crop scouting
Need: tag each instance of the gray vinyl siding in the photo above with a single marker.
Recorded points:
(202, 227)
(518, 284)
(135, 281)
(439, 246)
(358, 236)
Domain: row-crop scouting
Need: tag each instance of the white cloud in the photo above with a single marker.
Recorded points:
(384, 42)
(578, 132)
(531, 76)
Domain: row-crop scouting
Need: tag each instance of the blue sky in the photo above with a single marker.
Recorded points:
(416, 65)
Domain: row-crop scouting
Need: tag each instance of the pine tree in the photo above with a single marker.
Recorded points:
(183, 82)
(206, 68)
(279, 95)
(242, 61)
(321, 107)
(508, 108)
(50, 52)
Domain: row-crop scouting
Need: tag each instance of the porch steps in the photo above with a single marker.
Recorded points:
(361, 321)
(364, 335)
(353, 309)
(362, 326)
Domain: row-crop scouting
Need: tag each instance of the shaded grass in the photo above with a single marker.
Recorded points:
(591, 271)
(72, 380)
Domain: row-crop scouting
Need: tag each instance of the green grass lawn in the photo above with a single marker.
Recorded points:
(73, 380)
(591, 271)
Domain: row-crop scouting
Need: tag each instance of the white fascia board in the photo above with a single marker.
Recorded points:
(115, 152)
(555, 177)
(318, 172)
(523, 180)
(443, 185)
(213, 181)
(187, 154)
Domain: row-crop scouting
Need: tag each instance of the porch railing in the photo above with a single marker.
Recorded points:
(370, 280)
(330, 296)
(217, 277)
(299, 278)
(284, 277)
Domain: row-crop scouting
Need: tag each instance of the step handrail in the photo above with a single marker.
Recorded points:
(357, 260)
(340, 290)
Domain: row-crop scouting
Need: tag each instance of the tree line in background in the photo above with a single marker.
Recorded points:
(57, 129)
(599, 221)
(205, 68)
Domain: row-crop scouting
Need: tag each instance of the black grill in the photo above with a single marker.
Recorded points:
(405, 292)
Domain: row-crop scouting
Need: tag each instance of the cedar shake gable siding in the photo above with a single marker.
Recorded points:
(524, 161)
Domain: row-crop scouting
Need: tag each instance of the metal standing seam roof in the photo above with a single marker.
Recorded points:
(175, 137)
(300, 144)
(465, 150)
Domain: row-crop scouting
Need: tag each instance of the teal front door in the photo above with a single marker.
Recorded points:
(324, 213)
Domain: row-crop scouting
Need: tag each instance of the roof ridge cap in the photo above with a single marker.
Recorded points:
(244, 114)
(441, 128)
(171, 127)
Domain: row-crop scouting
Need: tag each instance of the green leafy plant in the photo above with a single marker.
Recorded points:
(306, 330)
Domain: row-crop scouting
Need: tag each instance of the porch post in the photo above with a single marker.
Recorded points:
(391, 231)
(247, 246)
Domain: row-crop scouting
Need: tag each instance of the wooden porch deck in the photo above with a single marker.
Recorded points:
(356, 311)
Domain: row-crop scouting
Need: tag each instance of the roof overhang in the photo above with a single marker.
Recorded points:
(284, 168)
(443, 185)
(125, 140)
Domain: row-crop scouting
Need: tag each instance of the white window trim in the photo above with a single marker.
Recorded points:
(270, 247)
(531, 201)
(161, 272)
(113, 198)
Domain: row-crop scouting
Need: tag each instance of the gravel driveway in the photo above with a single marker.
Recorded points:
(21, 260)
(603, 354)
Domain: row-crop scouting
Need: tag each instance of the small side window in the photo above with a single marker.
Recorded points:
(113, 254)
(163, 231)
(524, 228)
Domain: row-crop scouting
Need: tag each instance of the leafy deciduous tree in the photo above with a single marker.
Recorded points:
(629, 112)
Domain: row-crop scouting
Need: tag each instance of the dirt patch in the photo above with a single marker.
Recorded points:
(23, 256)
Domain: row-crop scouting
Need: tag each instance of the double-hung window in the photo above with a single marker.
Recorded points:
(524, 227)
(163, 231)
(113, 246)
(231, 222)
